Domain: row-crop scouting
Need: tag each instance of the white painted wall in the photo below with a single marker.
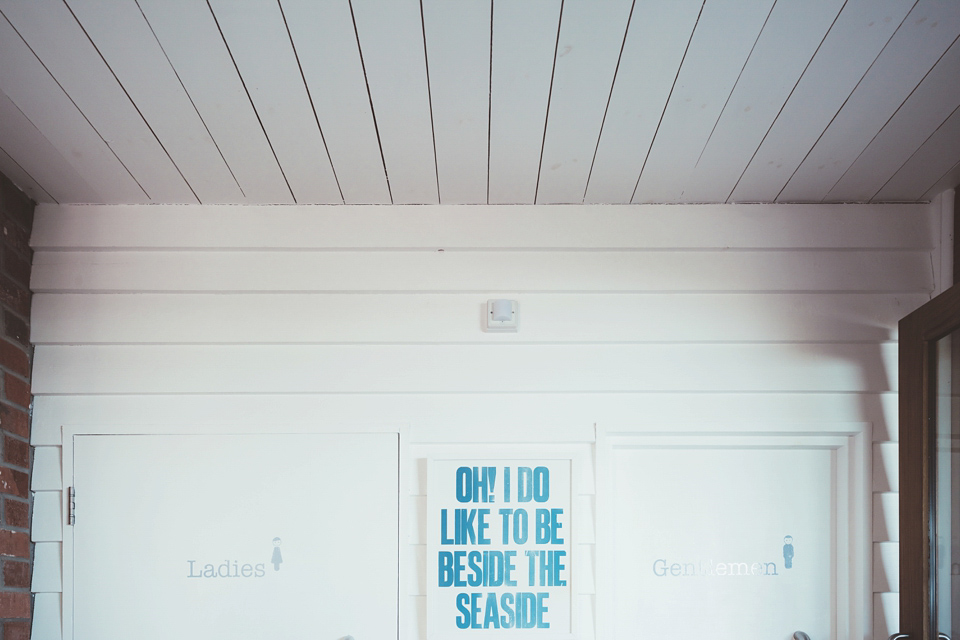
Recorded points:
(760, 319)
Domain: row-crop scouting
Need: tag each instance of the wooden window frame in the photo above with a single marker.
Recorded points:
(918, 336)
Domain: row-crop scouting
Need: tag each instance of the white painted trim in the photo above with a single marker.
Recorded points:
(945, 203)
(501, 227)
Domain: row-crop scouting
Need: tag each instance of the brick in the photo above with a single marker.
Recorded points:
(14, 543)
(14, 296)
(15, 421)
(16, 452)
(16, 630)
(17, 239)
(14, 604)
(15, 205)
(15, 483)
(14, 358)
(17, 268)
(16, 328)
(16, 574)
(16, 513)
(16, 390)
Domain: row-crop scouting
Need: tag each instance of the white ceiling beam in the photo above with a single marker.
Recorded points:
(329, 55)
(192, 42)
(391, 43)
(20, 139)
(31, 87)
(54, 35)
(931, 169)
(927, 108)
(524, 41)
(654, 48)
(124, 39)
(588, 49)
(719, 49)
(790, 38)
(923, 37)
(847, 52)
(23, 180)
(457, 36)
(257, 37)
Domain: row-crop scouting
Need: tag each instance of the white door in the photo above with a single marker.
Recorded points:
(235, 537)
(724, 542)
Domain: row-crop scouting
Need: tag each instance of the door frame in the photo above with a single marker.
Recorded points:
(918, 335)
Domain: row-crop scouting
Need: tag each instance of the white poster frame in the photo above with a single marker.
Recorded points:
(516, 454)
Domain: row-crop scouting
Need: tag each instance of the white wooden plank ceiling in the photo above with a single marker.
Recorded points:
(480, 101)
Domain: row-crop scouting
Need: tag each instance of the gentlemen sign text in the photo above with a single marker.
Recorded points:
(499, 546)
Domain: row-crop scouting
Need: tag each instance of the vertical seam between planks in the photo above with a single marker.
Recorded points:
(433, 128)
(606, 109)
(846, 100)
(132, 102)
(666, 105)
(912, 155)
(733, 89)
(79, 110)
(892, 116)
(489, 101)
(313, 107)
(27, 173)
(250, 99)
(946, 173)
(190, 98)
(373, 113)
(546, 119)
(785, 102)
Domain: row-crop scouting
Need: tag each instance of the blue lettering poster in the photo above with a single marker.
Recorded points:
(499, 548)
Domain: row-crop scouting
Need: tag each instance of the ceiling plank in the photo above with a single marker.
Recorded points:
(524, 41)
(861, 31)
(329, 56)
(932, 165)
(457, 36)
(23, 180)
(54, 35)
(191, 41)
(35, 91)
(786, 45)
(927, 108)
(928, 31)
(257, 37)
(654, 48)
(588, 49)
(123, 37)
(950, 180)
(721, 46)
(20, 139)
(391, 45)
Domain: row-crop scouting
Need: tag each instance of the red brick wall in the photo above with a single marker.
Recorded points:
(16, 219)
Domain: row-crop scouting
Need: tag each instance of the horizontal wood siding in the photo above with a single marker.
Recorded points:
(702, 319)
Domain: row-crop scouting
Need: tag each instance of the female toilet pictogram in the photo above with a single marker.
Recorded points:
(277, 558)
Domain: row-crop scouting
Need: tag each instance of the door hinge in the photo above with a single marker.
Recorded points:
(71, 506)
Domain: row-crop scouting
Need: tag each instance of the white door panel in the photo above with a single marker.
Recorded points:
(701, 548)
(174, 537)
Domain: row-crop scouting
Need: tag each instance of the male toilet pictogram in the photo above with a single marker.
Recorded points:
(788, 552)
